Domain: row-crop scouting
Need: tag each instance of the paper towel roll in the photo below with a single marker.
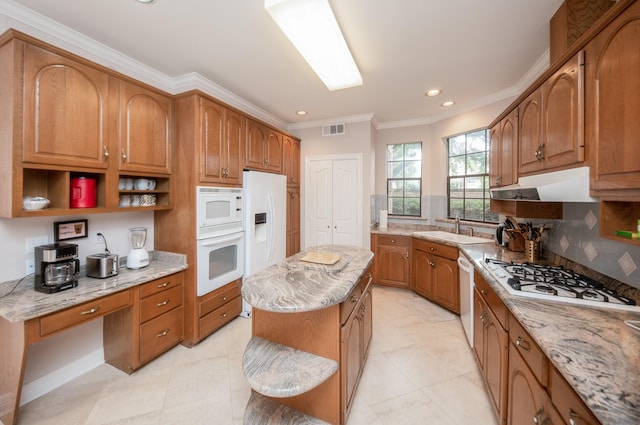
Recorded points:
(383, 219)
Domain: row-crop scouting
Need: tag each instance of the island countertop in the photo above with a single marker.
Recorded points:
(293, 286)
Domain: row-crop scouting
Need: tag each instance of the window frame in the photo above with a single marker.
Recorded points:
(403, 179)
(487, 216)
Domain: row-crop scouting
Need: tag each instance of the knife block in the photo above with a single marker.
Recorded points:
(516, 241)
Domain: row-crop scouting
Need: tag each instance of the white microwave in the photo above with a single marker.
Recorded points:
(219, 211)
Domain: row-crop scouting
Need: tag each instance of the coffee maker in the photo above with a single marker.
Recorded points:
(57, 267)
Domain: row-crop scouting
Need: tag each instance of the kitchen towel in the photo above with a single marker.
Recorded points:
(383, 219)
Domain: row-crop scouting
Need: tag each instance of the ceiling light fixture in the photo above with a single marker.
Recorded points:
(312, 28)
(146, 1)
(448, 103)
(301, 112)
(433, 92)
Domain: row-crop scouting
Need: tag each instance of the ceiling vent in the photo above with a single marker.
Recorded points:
(333, 129)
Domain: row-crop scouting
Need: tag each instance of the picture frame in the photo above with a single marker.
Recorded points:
(66, 230)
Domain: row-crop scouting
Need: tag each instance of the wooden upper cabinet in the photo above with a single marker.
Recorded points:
(503, 142)
(221, 140)
(144, 129)
(613, 96)
(65, 111)
(291, 160)
(263, 148)
(551, 121)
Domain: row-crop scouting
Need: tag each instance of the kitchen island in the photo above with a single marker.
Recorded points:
(311, 329)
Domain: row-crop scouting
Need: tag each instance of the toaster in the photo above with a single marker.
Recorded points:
(102, 265)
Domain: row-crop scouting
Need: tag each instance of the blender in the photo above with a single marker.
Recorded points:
(138, 257)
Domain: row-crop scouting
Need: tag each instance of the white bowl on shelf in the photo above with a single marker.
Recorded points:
(34, 203)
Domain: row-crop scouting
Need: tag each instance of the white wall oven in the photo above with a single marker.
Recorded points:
(220, 237)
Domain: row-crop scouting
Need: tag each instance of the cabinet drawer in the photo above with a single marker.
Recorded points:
(571, 407)
(450, 252)
(85, 312)
(219, 297)
(393, 240)
(220, 317)
(492, 299)
(160, 334)
(161, 284)
(531, 353)
(157, 304)
(347, 306)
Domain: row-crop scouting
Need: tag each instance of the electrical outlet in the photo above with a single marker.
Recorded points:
(30, 266)
(36, 241)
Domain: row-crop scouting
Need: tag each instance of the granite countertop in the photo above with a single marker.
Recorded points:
(293, 286)
(591, 347)
(24, 303)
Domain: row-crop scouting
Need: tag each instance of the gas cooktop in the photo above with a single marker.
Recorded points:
(556, 283)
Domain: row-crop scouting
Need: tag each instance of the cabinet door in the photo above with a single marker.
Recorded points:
(563, 115)
(479, 320)
(351, 359)
(211, 141)
(528, 401)
(613, 99)
(293, 221)
(65, 111)
(367, 320)
(273, 148)
(233, 146)
(446, 286)
(255, 145)
(291, 160)
(530, 121)
(421, 275)
(144, 142)
(392, 261)
(509, 149)
(496, 340)
(494, 154)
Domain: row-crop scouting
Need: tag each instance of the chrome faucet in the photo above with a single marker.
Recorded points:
(457, 226)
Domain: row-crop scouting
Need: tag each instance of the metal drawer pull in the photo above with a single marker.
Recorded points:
(91, 310)
(124, 156)
(223, 316)
(520, 342)
(105, 153)
(572, 417)
(354, 298)
(432, 249)
(224, 298)
(163, 285)
(163, 303)
(536, 418)
(163, 333)
(484, 292)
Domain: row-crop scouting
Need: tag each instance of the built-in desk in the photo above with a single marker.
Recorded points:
(134, 333)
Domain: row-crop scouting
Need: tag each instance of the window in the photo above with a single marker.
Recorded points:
(404, 179)
(468, 177)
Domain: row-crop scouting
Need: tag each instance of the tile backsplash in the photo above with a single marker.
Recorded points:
(576, 238)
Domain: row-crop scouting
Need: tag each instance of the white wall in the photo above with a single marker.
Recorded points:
(60, 351)
(358, 138)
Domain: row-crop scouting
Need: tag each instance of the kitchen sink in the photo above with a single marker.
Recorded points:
(452, 237)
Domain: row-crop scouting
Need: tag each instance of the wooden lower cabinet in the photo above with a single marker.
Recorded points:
(392, 262)
(135, 336)
(355, 339)
(435, 273)
(490, 344)
(293, 221)
(572, 410)
(219, 307)
(528, 400)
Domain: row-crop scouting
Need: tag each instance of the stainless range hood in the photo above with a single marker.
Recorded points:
(570, 185)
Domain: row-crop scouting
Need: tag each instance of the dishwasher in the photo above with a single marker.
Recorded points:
(466, 296)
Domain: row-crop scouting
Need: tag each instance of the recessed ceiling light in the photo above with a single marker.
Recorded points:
(448, 103)
(146, 1)
(301, 112)
(433, 92)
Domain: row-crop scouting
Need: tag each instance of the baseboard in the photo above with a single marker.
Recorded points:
(61, 376)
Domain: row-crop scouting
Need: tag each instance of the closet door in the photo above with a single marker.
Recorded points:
(332, 202)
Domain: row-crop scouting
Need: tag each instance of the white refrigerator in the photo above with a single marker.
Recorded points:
(265, 221)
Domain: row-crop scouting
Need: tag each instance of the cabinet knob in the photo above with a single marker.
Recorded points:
(432, 248)
(431, 263)
(124, 156)
(484, 292)
(522, 343)
(105, 153)
(223, 316)
(406, 254)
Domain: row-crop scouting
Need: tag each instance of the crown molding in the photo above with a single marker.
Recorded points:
(50, 31)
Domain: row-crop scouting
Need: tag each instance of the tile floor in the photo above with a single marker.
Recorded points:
(420, 370)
